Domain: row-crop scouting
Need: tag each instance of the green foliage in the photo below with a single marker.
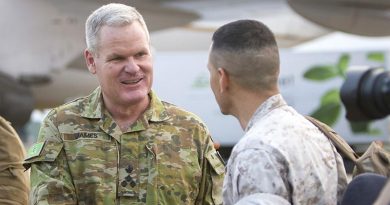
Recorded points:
(328, 113)
(320, 73)
(201, 81)
(330, 108)
(363, 127)
(330, 105)
(342, 65)
(376, 56)
(332, 96)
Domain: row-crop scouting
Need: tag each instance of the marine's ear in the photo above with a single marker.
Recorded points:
(224, 80)
(90, 60)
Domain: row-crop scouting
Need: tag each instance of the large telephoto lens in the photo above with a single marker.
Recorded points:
(366, 93)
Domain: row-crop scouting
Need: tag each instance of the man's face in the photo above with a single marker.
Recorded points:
(123, 64)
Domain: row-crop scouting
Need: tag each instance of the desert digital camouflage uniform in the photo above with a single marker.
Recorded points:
(283, 159)
(13, 179)
(82, 157)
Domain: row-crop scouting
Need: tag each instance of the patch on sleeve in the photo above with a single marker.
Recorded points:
(216, 162)
(42, 152)
(35, 150)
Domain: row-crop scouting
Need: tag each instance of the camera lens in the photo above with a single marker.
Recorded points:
(382, 97)
(366, 93)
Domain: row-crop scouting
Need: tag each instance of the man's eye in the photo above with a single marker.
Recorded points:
(140, 54)
(116, 59)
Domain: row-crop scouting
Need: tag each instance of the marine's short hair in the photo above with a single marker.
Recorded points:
(247, 49)
(112, 14)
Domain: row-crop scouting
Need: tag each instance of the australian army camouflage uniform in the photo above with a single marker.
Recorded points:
(82, 157)
(13, 179)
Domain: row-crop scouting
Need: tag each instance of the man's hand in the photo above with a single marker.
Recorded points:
(217, 145)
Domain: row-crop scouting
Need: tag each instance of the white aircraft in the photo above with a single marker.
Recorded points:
(42, 40)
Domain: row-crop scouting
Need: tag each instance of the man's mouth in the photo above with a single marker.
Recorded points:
(131, 81)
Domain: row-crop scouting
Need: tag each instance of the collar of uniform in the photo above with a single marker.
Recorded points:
(93, 105)
(267, 106)
(156, 111)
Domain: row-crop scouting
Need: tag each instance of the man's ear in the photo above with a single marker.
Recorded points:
(223, 80)
(90, 60)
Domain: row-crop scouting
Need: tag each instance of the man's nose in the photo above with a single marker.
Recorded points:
(131, 65)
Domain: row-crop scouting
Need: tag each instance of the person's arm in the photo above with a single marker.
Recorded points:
(262, 199)
(213, 169)
(13, 181)
(51, 181)
(260, 177)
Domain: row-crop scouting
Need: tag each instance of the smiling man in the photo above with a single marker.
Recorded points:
(122, 144)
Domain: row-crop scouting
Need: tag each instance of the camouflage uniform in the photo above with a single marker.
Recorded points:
(13, 181)
(283, 159)
(82, 157)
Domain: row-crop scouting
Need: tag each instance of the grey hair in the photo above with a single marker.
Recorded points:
(112, 14)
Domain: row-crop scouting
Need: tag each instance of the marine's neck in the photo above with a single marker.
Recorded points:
(243, 110)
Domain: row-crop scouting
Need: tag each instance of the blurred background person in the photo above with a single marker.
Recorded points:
(13, 180)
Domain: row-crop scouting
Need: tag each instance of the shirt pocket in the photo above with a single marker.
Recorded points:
(179, 173)
(92, 160)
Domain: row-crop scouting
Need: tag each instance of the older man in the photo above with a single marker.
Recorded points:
(122, 144)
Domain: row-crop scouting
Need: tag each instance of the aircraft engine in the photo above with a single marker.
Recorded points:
(16, 101)
(360, 17)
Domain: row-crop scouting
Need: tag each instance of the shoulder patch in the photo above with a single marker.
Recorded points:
(35, 150)
(216, 162)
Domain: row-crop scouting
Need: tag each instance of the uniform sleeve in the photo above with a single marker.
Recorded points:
(213, 170)
(262, 199)
(260, 177)
(51, 182)
(13, 181)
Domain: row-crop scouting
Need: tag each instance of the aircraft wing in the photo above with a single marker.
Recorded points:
(361, 17)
